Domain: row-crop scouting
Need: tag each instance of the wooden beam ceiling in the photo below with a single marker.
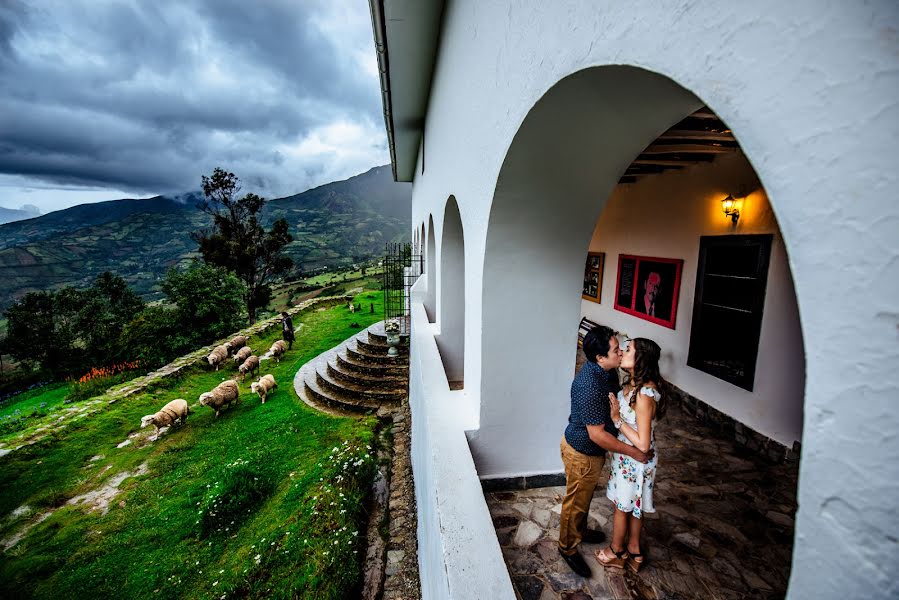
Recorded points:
(698, 138)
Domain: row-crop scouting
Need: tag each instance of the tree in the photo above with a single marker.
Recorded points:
(237, 240)
(32, 336)
(102, 312)
(72, 329)
(206, 303)
(209, 301)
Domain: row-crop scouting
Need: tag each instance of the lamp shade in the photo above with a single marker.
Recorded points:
(728, 204)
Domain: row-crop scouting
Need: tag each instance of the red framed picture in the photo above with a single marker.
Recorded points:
(648, 288)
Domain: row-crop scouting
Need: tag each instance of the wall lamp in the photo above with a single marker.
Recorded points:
(730, 208)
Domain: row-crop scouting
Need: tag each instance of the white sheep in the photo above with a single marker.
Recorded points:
(242, 355)
(277, 349)
(217, 357)
(237, 342)
(250, 365)
(174, 411)
(223, 395)
(264, 386)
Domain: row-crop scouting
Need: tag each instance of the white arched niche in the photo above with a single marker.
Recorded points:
(430, 302)
(451, 341)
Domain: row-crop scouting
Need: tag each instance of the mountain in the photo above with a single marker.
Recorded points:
(8, 215)
(334, 224)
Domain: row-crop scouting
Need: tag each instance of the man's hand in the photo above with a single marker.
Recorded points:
(643, 457)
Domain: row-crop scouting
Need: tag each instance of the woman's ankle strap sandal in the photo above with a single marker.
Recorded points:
(634, 561)
(608, 557)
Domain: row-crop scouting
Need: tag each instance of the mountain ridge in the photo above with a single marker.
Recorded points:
(333, 224)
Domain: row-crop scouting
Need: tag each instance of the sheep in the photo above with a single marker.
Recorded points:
(249, 365)
(217, 357)
(264, 386)
(223, 395)
(242, 355)
(176, 410)
(277, 349)
(237, 342)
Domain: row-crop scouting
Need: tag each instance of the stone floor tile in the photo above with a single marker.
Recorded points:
(565, 581)
(528, 532)
(528, 587)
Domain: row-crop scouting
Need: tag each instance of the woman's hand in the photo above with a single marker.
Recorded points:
(613, 407)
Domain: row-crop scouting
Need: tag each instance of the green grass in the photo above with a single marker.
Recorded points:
(51, 395)
(336, 277)
(264, 501)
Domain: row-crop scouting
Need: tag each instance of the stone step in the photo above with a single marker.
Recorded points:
(349, 364)
(339, 401)
(372, 382)
(379, 348)
(328, 384)
(362, 356)
(376, 335)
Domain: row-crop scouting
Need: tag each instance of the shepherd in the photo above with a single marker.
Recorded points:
(287, 329)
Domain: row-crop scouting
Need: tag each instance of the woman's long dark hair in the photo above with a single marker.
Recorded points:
(646, 370)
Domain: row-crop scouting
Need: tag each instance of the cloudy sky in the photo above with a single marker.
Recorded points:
(104, 99)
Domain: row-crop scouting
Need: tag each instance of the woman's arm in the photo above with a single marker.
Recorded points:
(642, 438)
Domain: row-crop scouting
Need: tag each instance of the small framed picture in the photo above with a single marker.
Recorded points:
(593, 276)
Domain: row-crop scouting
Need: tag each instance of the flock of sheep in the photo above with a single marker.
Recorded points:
(227, 392)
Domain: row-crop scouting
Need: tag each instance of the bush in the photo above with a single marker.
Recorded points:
(233, 498)
(97, 381)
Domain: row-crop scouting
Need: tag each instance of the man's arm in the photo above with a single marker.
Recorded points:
(607, 441)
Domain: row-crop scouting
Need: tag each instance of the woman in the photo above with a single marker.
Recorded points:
(634, 411)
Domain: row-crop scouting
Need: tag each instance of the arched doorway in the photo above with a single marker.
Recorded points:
(561, 168)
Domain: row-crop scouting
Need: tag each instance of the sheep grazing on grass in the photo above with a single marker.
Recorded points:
(174, 411)
(217, 357)
(250, 365)
(277, 349)
(223, 395)
(237, 342)
(265, 386)
(242, 355)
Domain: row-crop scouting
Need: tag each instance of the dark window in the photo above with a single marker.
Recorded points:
(727, 307)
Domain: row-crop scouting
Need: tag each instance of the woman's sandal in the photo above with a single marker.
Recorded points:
(616, 561)
(634, 561)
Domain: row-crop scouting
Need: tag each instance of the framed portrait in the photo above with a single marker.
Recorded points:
(593, 276)
(648, 288)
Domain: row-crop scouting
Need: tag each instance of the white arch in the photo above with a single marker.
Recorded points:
(451, 340)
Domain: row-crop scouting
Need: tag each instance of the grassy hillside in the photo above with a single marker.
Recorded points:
(264, 501)
(333, 225)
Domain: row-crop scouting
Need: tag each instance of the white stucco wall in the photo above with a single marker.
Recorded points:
(812, 93)
(664, 215)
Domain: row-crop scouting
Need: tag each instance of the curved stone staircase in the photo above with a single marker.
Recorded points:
(356, 377)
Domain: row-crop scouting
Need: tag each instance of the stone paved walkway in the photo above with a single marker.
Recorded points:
(723, 527)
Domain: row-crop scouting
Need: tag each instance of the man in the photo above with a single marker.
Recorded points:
(287, 329)
(653, 283)
(587, 438)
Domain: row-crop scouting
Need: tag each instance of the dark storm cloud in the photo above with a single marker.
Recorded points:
(146, 97)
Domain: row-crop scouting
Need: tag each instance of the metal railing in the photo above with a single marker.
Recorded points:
(402, 267)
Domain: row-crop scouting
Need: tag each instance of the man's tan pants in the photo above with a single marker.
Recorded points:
(582, 476)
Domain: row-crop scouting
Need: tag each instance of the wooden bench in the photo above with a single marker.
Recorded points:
(585, 326)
